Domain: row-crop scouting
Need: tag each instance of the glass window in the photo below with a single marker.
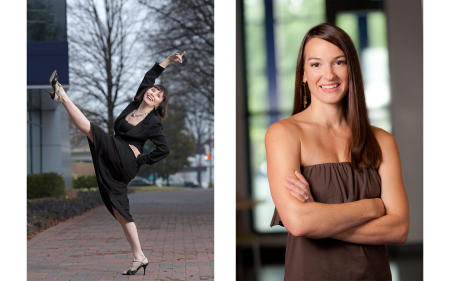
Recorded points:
(28, 144)
(46, 20)
(291, 20)
(374, 63)
(255, 55)
(34, 144)
(35, 132)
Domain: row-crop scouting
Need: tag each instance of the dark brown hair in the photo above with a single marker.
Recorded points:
(365, 150)
(162, 108)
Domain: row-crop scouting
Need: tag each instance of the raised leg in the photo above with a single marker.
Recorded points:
(130, 230)
(78, 118)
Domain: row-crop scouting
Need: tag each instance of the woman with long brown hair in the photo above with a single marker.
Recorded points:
(335, 180)
(117, 158)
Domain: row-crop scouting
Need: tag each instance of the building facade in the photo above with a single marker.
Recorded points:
(48, 140)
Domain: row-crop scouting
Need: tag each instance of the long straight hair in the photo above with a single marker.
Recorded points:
(364, 148)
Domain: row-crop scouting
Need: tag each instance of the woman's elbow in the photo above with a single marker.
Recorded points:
(399, 233)
(165, 150)
(298, 229)
(402, 233)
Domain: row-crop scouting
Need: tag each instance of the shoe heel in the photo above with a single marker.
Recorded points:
(53, 78)
(144, 266)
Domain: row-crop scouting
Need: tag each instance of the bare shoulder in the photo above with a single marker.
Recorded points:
(389, 149)
(384, 138)
(285, 130)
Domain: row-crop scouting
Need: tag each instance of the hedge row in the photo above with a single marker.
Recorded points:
(84, 182)
(45, 185)
(52, 184)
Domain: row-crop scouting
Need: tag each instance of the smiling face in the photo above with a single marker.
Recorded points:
(325, 71)
(153, 96)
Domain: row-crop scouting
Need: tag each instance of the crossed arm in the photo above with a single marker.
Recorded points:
(366, 221)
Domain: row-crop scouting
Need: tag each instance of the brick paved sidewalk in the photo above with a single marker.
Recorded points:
(175, 228)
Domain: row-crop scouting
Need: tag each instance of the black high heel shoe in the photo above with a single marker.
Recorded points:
(53, 83)
(135, 266)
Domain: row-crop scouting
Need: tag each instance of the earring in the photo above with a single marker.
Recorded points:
(305, 99)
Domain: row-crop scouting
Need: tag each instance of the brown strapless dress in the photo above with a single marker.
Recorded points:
(331, 259)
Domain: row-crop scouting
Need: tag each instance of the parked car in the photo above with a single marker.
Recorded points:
(175, 180)
(139, 181)
(190, 184)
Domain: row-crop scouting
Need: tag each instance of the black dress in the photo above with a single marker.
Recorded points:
(114, 161)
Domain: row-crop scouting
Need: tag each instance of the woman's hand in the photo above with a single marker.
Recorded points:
(299, 187)
(177, 57)
(135, 150)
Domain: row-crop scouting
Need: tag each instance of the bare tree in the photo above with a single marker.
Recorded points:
(102, 58)
(112, 43)
(185, 25)
(201, 128)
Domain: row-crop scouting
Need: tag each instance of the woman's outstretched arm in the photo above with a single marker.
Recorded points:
(154, 72)
(177, 57)
(394, 226)
(149, 78)
(311, 219)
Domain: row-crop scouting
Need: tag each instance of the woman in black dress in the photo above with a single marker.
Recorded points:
(117, 158)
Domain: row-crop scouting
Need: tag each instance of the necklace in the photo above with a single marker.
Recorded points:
(134, 114)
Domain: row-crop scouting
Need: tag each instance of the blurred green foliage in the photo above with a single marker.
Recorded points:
(45, 185)
(84, 182)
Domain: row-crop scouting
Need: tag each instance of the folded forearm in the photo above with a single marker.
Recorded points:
(383, 230)
(320, 220)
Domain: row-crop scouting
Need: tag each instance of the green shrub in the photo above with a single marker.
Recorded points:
(45, 185)
(84, 182)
